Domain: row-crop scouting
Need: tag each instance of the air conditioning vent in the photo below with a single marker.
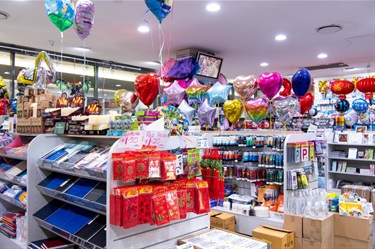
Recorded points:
(327, 66)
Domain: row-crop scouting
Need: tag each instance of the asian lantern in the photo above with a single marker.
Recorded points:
(367, 86)
(342, 87)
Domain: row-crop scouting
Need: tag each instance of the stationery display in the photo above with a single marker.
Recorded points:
(66, 218)
(80, 156)
(254, 141)
(310, 203)
(80, 191)
(300, 152)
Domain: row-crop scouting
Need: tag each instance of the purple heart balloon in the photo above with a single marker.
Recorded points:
(270, 83)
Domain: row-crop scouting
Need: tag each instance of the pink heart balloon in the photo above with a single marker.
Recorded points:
(270, 83)
(257, 109)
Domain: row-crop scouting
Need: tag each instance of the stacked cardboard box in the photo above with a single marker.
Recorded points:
(295, 223)
(30, 108)
(223, 220)
(318, 232)
(277, 237)
(362, 191)
(353, 232)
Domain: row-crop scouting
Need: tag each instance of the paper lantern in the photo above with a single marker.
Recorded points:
(342, 87)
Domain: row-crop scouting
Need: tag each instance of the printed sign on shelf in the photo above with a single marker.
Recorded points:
(202, 142)
(142, 139)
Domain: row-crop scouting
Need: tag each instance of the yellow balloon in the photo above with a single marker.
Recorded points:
(117, 96)
(233, 110)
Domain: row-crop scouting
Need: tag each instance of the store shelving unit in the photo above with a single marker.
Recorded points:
(40, 196)
(332, 177)
(10, 204)
(245, 224)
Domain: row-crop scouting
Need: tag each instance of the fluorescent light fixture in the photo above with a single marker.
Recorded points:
(118, 85)
(213, 7)
(143, 29)
(353, 69)
(264, 64)
(6, 73)
(322, 56)
(85, 49)
(280, 37)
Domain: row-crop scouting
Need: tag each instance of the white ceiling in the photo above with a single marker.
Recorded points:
(242, 33)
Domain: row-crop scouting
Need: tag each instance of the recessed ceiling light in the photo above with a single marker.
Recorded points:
(143, 29)
(213, 7)
(6, 73)
(352, 69)
(280, 37)
(118, 85)
(264, 64)
(4, 15)
(322, 56)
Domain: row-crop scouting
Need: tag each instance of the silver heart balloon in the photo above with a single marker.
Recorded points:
(285, 107)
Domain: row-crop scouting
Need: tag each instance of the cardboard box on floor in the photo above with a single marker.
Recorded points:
(294, 223)
(362, 191)
(249, 241)
(373, 201)
(319, 229)
(314, 244)
(277, 237)
(223, 220)
(347, 243)
(298, 243)
(358, 228)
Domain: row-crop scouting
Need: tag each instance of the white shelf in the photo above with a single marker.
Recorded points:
(352, 144)
(221, 209)
(353, 174)
(352, 159)
(8, 243)
(6, 178)
(12, 201)
(73, 173)
(13, 156)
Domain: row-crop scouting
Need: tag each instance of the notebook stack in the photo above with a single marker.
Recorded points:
(8, 225)
(51, 243)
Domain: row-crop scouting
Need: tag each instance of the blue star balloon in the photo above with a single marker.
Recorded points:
(218, 93)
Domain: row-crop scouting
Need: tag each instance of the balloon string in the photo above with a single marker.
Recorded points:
(161, 39)
(61, 54)
(84, 62)
(170, 35)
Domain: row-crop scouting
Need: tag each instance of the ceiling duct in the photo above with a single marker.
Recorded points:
(190, 52)
(327, 66)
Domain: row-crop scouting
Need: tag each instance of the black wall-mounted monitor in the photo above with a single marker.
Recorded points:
(209, 65)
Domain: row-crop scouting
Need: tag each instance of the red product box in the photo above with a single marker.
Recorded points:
(128, 168)
(145, 204)
(130, 207)
(159, 202)
(202, 199)
(172, 202)
(181, 194)
(117, 166)
(190, 196)
(141, 165)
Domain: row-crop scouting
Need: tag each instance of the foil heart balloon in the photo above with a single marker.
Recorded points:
(245, 86)
(147, 87)
(257, 109)
(287, 85)
(306, 102)
(285, 107)
(61, 13)
(270, 83)
(233, 110)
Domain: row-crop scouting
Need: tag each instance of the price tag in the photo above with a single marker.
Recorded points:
(179, 165)
(155, 138)
(202, 142)
(131, 140)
